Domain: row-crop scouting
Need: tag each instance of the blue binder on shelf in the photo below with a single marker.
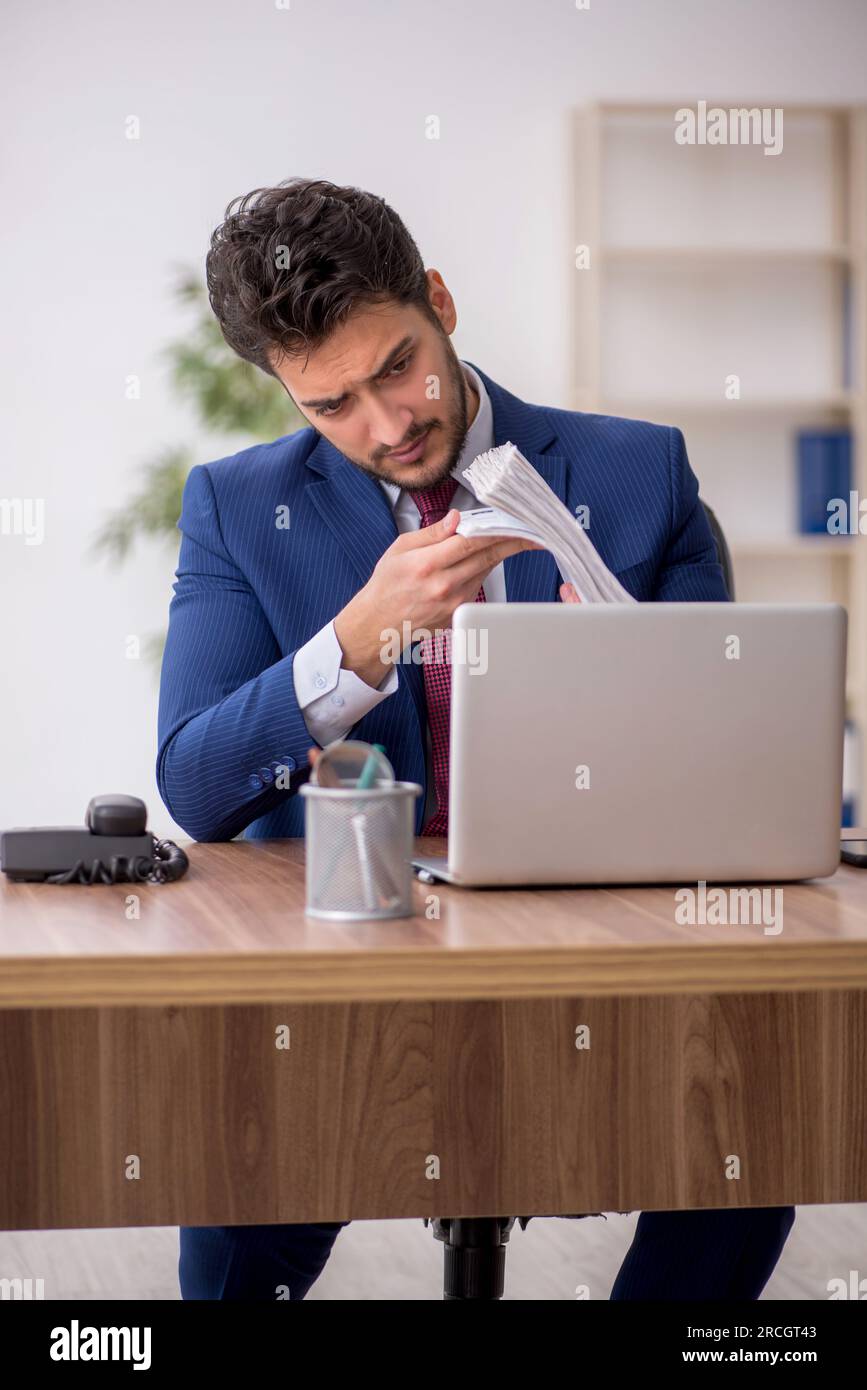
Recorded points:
(824, 478)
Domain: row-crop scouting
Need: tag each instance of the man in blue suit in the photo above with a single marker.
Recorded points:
(298, 558)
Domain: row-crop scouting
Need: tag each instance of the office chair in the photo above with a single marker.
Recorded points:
(474, 1258)
(722, 550)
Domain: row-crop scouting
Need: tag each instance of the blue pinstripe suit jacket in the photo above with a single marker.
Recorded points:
(248, 594)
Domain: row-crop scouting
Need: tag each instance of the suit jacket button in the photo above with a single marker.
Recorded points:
(256, 782)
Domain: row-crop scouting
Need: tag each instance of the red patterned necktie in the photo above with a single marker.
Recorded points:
(433, 503)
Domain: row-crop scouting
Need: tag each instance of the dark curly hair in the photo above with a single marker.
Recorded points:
(345, 248)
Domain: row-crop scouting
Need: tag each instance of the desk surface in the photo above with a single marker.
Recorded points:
(234, 931)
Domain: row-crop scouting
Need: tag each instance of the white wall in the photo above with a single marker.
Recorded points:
(233, 94)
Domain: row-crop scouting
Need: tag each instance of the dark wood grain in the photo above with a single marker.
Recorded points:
(343, 1124)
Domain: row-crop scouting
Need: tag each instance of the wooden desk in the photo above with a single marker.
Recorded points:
(446, 1040)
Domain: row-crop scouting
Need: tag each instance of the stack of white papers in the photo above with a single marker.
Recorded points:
(522, 504)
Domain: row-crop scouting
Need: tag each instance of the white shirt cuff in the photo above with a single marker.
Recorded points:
(332, 698)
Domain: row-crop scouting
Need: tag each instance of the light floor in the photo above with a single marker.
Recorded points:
(401, 1260)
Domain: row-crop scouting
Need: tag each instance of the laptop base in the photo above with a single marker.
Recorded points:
(436, 867)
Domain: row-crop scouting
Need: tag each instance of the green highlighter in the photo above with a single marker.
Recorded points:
(368, 772)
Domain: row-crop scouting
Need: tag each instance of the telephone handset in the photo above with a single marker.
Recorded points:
(113, 846)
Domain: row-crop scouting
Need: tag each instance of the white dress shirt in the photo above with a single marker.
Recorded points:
(332, 698)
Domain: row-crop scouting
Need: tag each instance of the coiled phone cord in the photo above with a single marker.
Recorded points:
(167, 864)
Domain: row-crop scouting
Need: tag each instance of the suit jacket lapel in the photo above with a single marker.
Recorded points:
(353, 506)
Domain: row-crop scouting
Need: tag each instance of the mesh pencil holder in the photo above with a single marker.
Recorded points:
(358, 848)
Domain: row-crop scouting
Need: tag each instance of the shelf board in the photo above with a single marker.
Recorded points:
(795, 547)
(643, 407)
(654, 106)
(702, 256)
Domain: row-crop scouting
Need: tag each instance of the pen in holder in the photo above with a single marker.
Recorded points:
(359, 826)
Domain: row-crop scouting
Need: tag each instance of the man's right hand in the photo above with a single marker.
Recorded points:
(421, 578)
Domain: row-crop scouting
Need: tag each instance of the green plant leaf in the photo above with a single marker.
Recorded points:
(153, 510)
(229, 395)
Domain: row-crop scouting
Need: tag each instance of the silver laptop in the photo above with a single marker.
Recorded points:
(644, 743)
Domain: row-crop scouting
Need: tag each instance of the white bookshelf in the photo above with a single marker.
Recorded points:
(708, 261)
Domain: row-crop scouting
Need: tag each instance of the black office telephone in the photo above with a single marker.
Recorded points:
(113, 846)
